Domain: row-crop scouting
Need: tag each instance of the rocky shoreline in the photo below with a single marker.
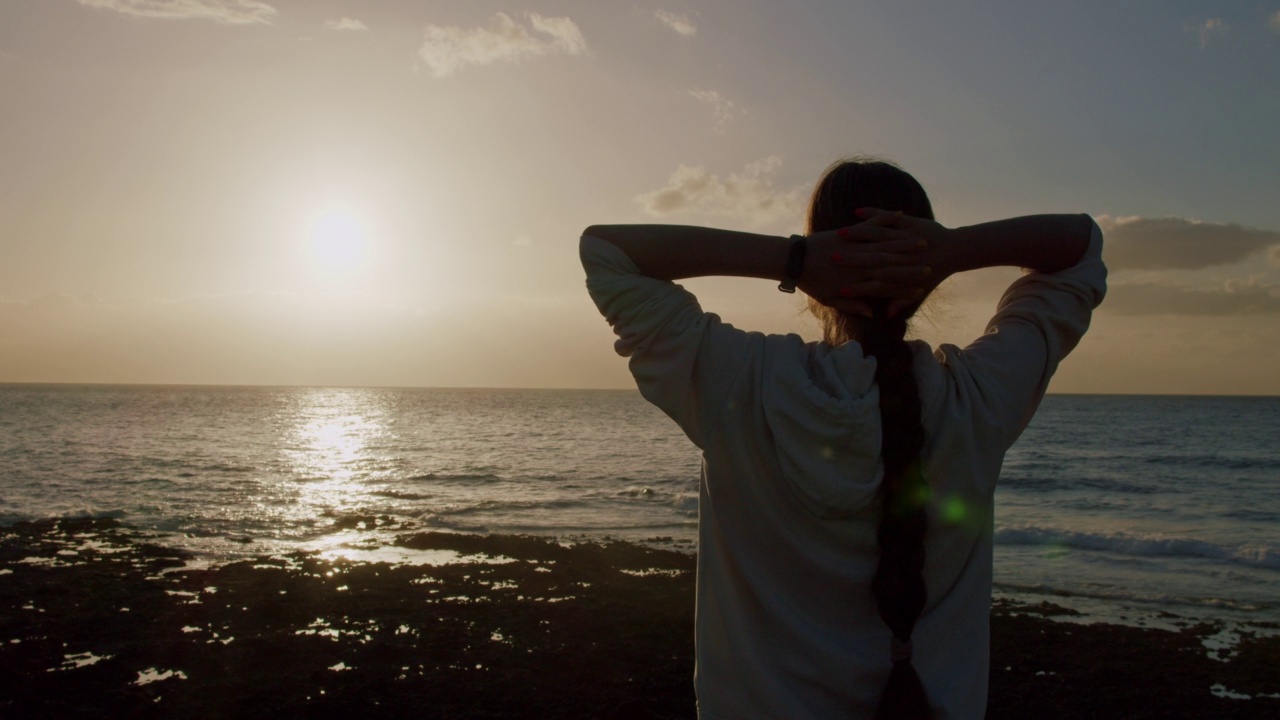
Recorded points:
(97, 621)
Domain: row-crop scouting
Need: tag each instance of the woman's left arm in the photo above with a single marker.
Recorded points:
(674, 252)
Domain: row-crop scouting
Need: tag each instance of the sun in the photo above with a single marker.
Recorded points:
(338, 241)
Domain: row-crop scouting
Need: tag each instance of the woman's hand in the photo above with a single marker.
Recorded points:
(889, 255)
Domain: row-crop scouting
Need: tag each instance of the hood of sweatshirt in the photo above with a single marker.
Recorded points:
(824, 414)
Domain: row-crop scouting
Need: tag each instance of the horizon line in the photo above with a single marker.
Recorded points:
(5, 383)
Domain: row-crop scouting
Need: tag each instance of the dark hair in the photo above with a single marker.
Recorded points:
(898, 585)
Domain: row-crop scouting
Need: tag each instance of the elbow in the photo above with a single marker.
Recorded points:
(597, 231)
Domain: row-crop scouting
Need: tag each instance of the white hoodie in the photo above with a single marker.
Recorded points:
(790, 437)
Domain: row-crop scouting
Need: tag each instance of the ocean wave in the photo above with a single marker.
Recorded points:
(687, 503)
(1253, 515)
(114, 514)
(498, 507)
(447, 524)
(154, 482)
(1038, 482)
(452, 477)
(397, 495)
(1258, 554)
(645, 492)
(1132, 595)
(227, 468)
(1217, 462)
(681, 501)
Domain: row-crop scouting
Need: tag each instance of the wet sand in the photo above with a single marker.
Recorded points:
(95, 621)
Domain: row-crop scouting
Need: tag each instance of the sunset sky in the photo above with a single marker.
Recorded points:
(389, 192)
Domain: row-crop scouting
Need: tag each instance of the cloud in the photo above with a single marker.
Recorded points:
(1235, 297)
(1137, 243)
(749, 195)
(346, 23)
(1274, 22)
(446, 50)
(723, 110)
(679, 23)
(226, 12)
(1209, 30)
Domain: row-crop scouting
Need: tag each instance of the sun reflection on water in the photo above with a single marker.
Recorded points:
(334, 452)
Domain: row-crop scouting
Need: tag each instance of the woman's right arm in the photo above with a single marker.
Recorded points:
(1045, 243)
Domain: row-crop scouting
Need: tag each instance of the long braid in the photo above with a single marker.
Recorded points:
(898, 586)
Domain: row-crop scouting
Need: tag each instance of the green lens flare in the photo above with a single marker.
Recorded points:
(954, 510)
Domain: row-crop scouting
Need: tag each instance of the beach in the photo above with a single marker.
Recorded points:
(96, 620)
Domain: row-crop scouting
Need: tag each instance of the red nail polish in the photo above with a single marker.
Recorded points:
(836, 257)
(862, 212)
(843, 232)
(846, 292)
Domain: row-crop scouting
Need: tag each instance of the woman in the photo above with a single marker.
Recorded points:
(845, 514)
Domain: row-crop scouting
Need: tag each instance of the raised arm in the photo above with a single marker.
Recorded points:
(1047, 243)
(673, 252)
(834, 271)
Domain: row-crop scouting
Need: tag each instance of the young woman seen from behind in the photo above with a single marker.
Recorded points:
(845, 513)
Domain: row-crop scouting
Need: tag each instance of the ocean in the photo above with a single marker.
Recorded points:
(1121, 506)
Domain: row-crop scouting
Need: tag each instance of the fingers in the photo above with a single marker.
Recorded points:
(892, 252)
(869, 232)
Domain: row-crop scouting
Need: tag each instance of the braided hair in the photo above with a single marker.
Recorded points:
(898, 586)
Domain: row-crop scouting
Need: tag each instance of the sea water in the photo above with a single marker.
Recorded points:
(1154, 503)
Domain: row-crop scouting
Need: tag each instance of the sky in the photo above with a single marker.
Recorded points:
(390, 192)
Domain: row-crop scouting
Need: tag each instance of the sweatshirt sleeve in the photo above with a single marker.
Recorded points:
(1041, 317)
(684, 360)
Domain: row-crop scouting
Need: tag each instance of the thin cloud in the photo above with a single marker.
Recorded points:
(1210, 30)
(750, 195)
(1274, 22)
(446, 50)
(681, 24)
(346, 23)
(723, 110)
(226, 12)
(1235, 297)
(1137, 243)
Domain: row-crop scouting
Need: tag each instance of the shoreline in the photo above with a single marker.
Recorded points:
(95, 621)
